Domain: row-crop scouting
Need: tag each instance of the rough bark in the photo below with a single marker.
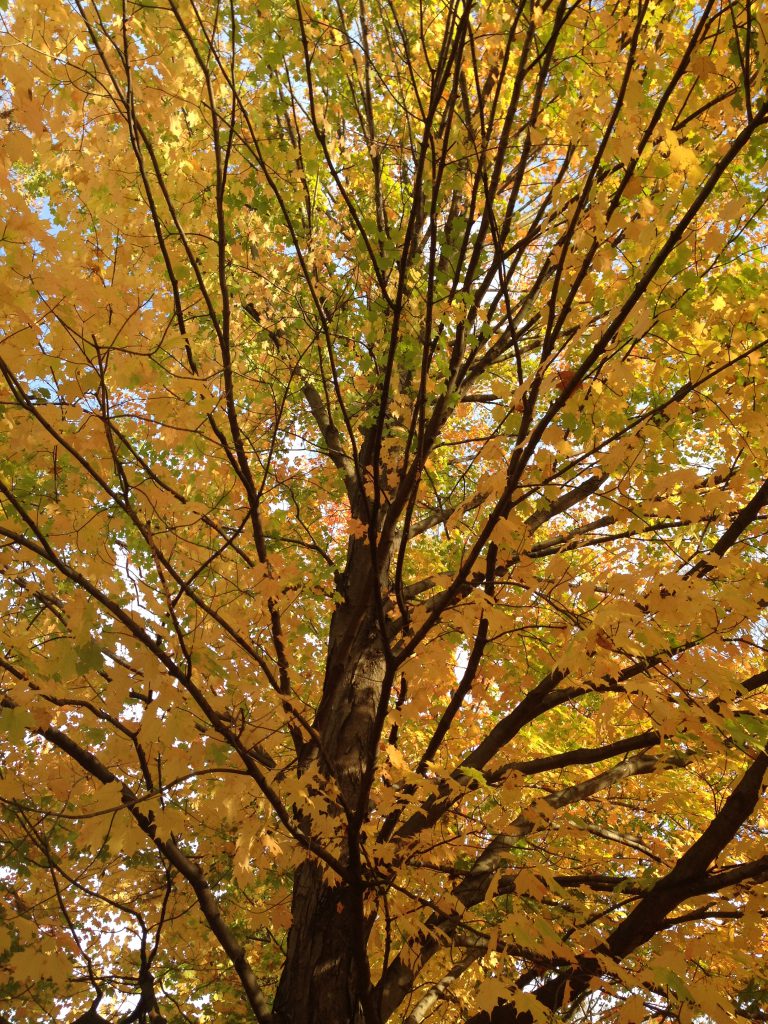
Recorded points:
(320, 980)
(325, 979)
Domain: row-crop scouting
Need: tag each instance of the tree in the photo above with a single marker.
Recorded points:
(383, 478)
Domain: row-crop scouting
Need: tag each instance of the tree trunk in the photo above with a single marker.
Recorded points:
(321, 982)
(325, 978)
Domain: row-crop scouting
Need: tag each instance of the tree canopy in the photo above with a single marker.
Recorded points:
(383, 495)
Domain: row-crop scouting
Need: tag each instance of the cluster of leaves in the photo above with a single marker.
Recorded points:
(383, 447)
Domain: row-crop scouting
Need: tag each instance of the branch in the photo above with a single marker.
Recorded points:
(439, 990)
(186, 867)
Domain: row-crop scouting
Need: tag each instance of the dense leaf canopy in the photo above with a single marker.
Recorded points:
(383, 494)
